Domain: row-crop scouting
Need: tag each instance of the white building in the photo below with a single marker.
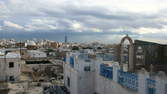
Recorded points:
(30, 43)
(10, 66)
(92, 74)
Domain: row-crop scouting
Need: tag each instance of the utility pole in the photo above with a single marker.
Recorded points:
(5, 65)
(20, 48)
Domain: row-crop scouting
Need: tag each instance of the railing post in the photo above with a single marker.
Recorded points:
(116, 67)
(142, 88)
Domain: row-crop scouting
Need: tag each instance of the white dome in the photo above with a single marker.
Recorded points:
(31, 43)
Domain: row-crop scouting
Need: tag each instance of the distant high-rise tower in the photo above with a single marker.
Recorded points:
(66, 39)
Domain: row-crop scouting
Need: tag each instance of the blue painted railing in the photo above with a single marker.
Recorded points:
(129, 80)
(150, 83)
(72, 61)
(106, 71)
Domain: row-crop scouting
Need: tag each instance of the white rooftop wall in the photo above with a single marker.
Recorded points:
(36, 54)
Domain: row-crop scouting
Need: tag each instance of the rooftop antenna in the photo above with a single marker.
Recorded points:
(126, 33)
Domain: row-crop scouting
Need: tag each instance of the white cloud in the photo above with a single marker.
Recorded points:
(96, 30)
(4, 11)
(150, 31)
(139, 6)
(41, 24)
(76, 26)
(42, 21)
(12, 25)
(51, 27)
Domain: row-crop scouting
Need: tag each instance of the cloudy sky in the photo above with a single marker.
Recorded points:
(84, 20)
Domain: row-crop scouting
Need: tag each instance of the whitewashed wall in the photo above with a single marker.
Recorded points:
(92, 82)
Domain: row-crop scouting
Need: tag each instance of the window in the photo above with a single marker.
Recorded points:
(87, 68)
(68, 81)
(22, 53)
(11, 64)
(11, 78)
(87, 60)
